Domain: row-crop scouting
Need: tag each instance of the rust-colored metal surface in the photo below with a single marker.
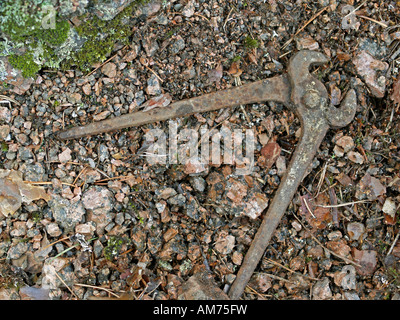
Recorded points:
(274, 89)
(299, 91)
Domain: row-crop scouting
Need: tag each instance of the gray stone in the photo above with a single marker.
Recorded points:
(372, 71)
(103, 153)
(167, 193)
(98, 199)
(188, 10)
(162, 19)
(34, 172)
(373, 48)
(25, 154)
(178, 200)
(4, 131)
(17, 250)
(19, 229)
(97, 248)
(192, 209)
(351, 296)
(178, 45)
(67, 213)
(5, 115)
(198, 183)
(153, 86)
(389, 207)
(53, 270)
(53, 229)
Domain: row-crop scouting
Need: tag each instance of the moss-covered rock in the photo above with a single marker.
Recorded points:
(100, 37)
(38, 33)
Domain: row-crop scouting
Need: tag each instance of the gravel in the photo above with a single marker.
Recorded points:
(175, 221)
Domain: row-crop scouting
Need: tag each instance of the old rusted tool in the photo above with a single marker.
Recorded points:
(274, 89)
(309, 99)
(299, 91)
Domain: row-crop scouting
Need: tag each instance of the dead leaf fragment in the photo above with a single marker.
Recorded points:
(234, 69)
(14, 191)
(343, 56)
(389, 208)
(346, 143)
(215, 75)
(369, 188)
(344, 179)
(252, 58)
(346, 278)
(307, 43)
(339, 247)
(355, 157)
(260, 282)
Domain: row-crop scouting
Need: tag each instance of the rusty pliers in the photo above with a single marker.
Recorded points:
(309, 99)
(298, 90)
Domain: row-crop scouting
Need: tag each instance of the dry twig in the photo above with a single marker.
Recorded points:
(393, 244)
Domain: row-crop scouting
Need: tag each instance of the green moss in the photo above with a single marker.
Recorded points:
(37, 216)
(55, 37)
(100, 38)
(3, 146)
(250, 43)
(113, 247)
(25, 63)
(92, 52)
(236, 58)
(9, 279)
(185, 266)
(17, 19)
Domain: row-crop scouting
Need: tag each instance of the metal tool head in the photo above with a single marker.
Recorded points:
(309, 93)
(306, 89)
